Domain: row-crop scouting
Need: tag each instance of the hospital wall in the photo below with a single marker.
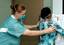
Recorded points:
(57, 7)
(4, 9)
(48, 3)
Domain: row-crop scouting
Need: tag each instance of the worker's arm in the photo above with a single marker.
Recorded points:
(37, 33)
(30, 26)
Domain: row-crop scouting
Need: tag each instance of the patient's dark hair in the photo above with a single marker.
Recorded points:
(45, 12)
(15, 7)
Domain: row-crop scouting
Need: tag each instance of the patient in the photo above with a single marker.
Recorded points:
(45, 22)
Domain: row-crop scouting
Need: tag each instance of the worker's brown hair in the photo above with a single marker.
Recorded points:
(16, 8)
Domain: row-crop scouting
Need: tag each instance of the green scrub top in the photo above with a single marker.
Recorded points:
(15, 30)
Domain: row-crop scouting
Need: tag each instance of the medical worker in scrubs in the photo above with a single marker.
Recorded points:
(45, 22)
(15, 29)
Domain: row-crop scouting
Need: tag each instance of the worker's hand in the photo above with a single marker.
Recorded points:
(50, 29)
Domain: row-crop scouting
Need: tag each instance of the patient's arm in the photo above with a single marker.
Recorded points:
(59, 29)
(58, 26)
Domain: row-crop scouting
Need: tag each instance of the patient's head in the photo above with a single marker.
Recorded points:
(46, 13)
